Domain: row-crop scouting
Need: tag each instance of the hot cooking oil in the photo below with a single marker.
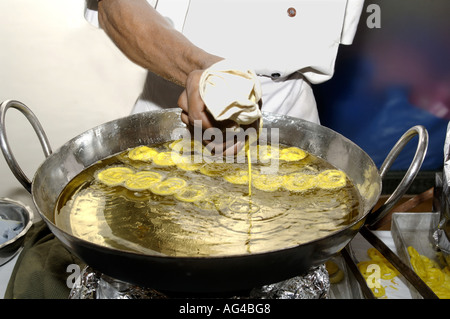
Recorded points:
(205, 209)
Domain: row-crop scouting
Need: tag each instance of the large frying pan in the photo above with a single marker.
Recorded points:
(205, 274)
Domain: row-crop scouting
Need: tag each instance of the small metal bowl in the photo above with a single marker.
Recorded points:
(12, 211)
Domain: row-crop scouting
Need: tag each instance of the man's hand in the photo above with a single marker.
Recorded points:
(194, 113)
(192, 106)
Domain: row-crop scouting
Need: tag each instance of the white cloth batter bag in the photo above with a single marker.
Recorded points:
(231, 92)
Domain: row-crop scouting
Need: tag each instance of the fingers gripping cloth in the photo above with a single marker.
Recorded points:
(231, 93)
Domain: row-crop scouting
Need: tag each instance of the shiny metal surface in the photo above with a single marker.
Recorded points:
(10, 159)
(404, 269)
(14, 211)
(410, 174)
(415, 230)
(366, 291)
(209, 273)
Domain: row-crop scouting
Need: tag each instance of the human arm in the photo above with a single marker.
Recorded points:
(149, 40)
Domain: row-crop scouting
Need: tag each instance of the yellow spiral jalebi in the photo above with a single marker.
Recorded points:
(379, 291)
(169, 186)
(114, 176)
(192, 193)
(166, 159)
(142, 180)
(291, 154)
(331, 179)
(142, 153)
(185, 163)
(334, 272)
(239, 177)
(431, 273)
(299, 182)
(386, 271)
(267, 182)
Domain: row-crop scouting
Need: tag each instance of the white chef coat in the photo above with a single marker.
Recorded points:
(290, 44)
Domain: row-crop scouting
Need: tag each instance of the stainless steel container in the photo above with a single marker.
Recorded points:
(205, 274)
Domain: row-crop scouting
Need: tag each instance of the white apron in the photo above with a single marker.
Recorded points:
(289, 43)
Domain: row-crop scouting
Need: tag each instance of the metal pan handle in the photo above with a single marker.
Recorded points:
(6, 149)
(410, 175)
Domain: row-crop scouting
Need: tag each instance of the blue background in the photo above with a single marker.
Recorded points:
(392, 78)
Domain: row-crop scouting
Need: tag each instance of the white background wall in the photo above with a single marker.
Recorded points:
(67, 71)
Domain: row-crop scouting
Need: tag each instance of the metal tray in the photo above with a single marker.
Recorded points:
(395, 288)
(348, 287)
(14, 212)
(414, 229)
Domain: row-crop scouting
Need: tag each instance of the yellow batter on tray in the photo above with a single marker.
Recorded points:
(378, 267)
(437, 278)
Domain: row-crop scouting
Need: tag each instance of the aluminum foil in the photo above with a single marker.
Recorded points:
(94, 285)
(441, 241)
(314, 285)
